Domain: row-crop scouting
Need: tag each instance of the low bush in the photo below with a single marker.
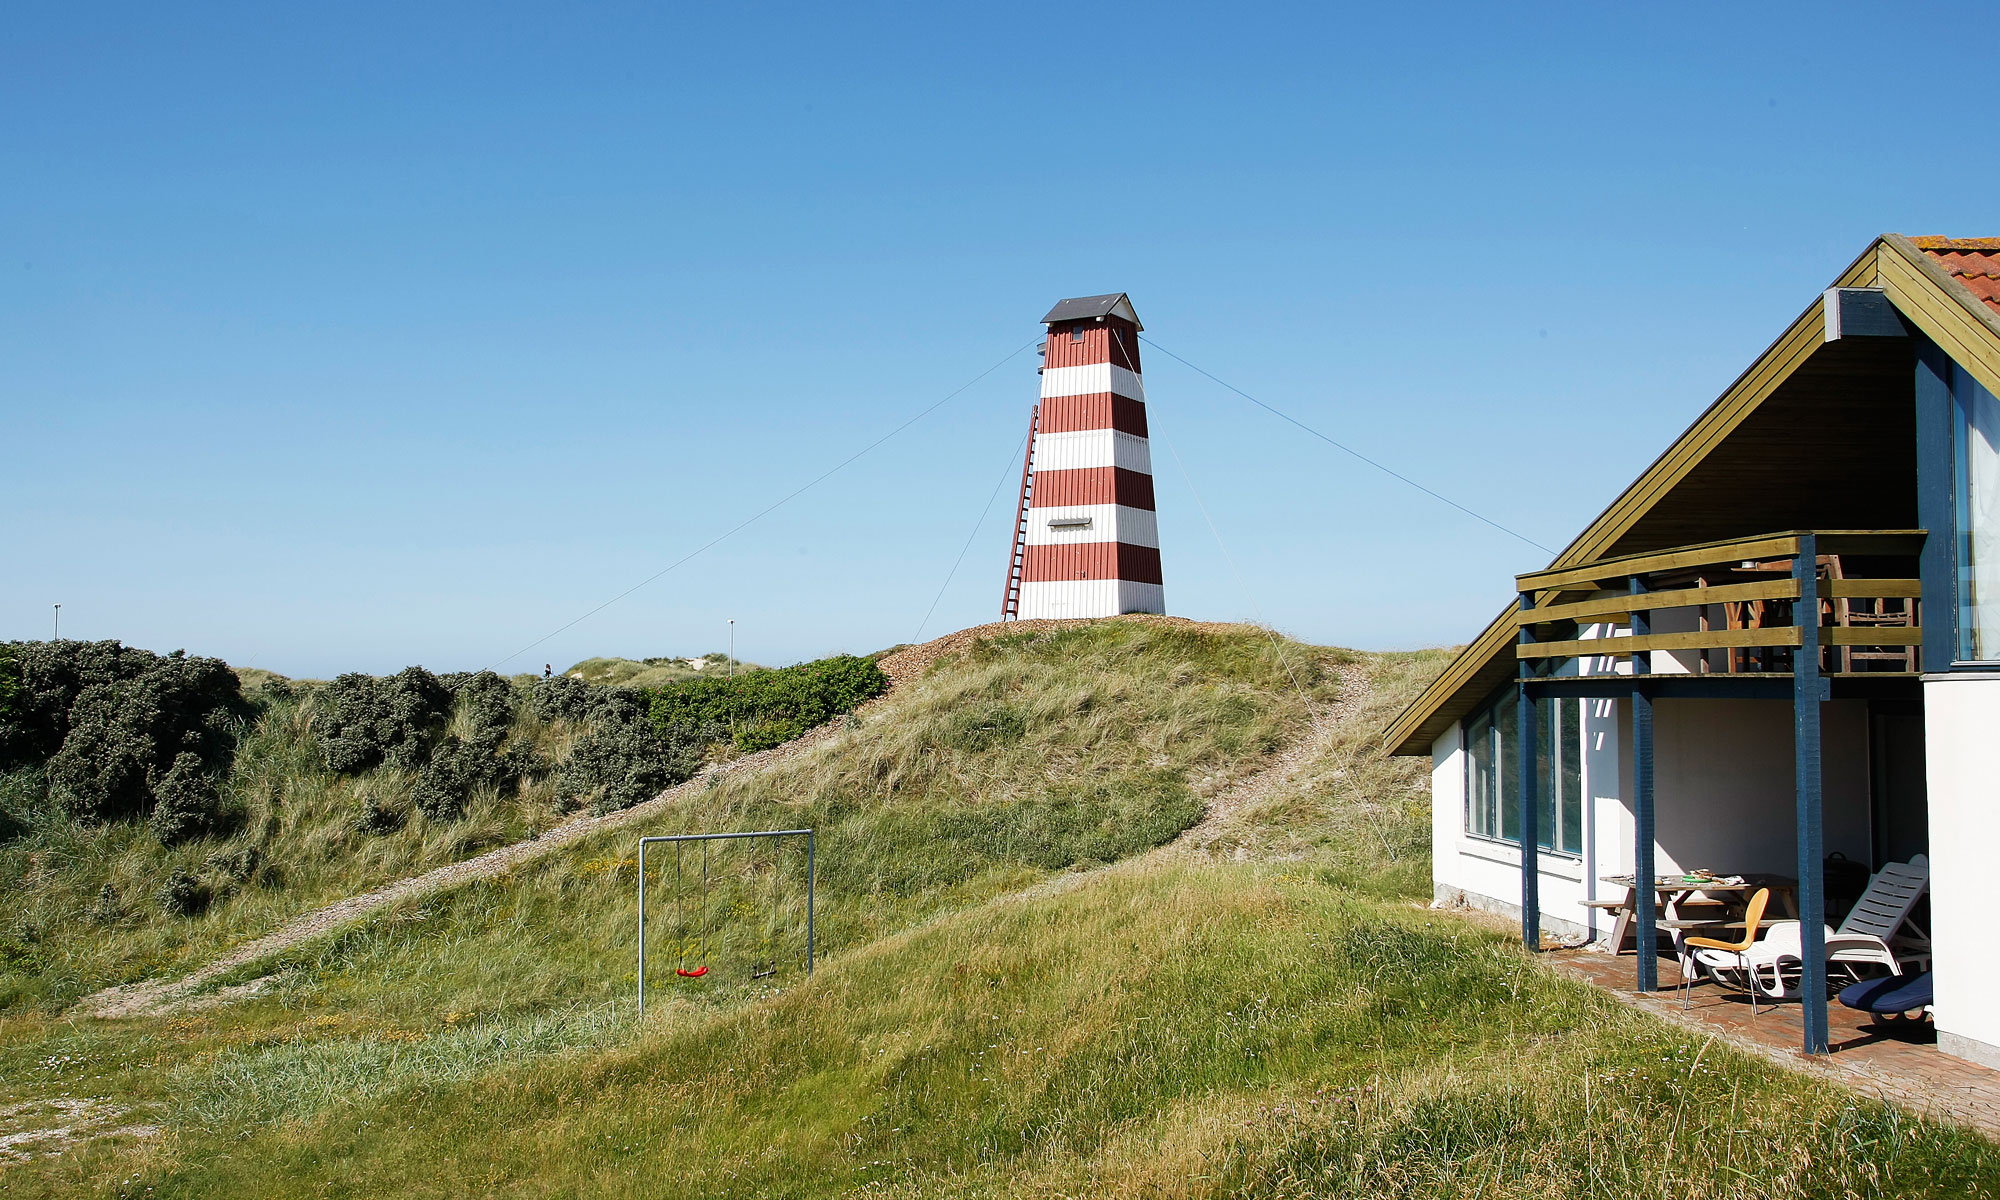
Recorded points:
(364, 721)
(109, 720)
(486, 705)
(458, 766)
(376, 818)
(560, 698)
(187, 803)
(622, 762)
(762, 709)
(10, 688)
(182, 895)
(106, 908)
(240, 865)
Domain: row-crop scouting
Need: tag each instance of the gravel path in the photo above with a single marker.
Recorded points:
(155, 996)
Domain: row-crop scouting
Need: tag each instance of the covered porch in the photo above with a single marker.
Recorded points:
(1748, 652)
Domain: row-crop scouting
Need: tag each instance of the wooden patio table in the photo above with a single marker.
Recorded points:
(1675, 892)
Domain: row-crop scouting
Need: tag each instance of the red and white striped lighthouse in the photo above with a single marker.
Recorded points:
(1086, 540)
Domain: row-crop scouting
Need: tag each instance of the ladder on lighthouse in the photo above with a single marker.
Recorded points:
(1010, 603)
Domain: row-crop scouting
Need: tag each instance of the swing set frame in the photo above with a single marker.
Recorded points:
(704, 838)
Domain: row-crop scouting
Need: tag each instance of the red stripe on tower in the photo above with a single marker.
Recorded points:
(1087, 543)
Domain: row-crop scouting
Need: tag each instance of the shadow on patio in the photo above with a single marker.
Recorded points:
(1896, 1064)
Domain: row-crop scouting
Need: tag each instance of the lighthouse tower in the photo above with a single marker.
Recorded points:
(1086, 541)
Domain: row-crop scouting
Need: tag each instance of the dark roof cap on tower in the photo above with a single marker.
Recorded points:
(1088, 308)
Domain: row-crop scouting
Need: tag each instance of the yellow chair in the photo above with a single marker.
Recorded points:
(1697, 952)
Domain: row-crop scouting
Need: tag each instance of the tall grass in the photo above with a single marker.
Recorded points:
(1276, 1019)
(1174, 1030)
(62, 934)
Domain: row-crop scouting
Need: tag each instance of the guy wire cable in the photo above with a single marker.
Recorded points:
(1255, 609)
(1006, 471)
(775, 506)
(1386, 470)
(1269, 632)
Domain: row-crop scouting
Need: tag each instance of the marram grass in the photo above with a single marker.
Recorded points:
(1161, 1029)
(1164, 1027)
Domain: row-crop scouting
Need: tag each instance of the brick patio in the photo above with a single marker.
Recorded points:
(1896, 1065)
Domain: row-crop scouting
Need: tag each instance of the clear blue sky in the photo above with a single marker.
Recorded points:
(367, 336)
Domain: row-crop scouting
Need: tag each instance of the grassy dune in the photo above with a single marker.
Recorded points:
(1275, 1016)
(62, 935)
(1165, 1029)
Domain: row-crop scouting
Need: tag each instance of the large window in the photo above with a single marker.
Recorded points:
(1491, 808)
(1978, 518)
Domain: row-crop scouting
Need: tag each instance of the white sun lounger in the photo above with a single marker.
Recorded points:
(1879, 932)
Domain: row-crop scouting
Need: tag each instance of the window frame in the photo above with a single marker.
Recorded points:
(1964, 606)
(1488, 799)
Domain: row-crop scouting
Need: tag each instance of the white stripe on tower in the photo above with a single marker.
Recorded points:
(1081, 449)
(1076, 523)
(1091, 379)
(1092, 543)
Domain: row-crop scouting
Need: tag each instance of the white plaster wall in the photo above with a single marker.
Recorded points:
(1724, 784)
(1447, 806)
(1607, 834)
(1962, 765)
(1723, 793)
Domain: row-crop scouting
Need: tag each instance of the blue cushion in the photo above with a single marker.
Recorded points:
(1895, 994)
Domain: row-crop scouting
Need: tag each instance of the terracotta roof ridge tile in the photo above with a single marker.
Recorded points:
(1935, 242)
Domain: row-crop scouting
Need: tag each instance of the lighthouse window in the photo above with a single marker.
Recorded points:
(1076, 333)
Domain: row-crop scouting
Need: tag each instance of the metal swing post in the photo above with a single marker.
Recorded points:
(680, 892)
(642, 929)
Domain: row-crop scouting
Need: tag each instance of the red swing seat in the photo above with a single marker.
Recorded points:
(697, 973)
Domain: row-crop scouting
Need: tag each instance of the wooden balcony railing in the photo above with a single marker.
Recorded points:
(1734, 606)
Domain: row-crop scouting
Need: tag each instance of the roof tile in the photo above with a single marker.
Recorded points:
(1973, 262)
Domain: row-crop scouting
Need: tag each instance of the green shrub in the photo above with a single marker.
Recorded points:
(109, 720)
(363, 721)
(487, 702)
(376, 818)
(623, 762)
(187, 804)
(182, 895)
(762, 709)
(10, 689)
(172, 701)
(106, 908)
(240, 865)
(100, 770)
(560, 698)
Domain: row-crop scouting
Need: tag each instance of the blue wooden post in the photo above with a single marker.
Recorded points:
(1937, 507)
(1808, 689)
(1527, 781)
(1646, 938)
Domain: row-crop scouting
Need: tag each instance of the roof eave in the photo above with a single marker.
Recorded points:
(1419, 724)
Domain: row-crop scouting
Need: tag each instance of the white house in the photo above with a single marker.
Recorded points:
(1780, 644)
